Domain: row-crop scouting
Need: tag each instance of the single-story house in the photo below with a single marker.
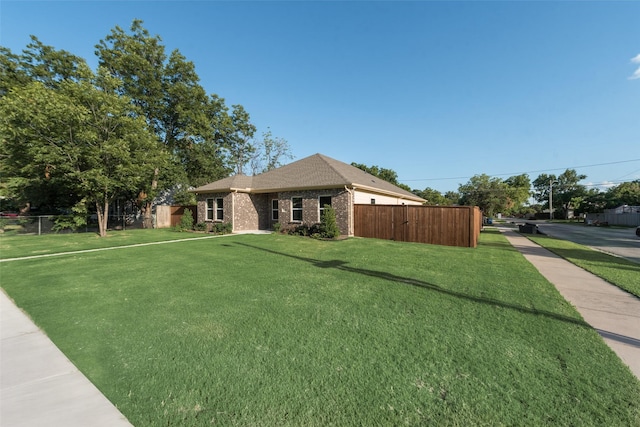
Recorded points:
(296, 194)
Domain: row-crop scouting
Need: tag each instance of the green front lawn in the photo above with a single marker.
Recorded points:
(15, 246)
(279, 330)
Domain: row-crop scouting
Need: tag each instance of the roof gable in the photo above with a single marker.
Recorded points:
(313, 172)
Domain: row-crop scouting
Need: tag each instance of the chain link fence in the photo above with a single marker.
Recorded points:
(48, 224)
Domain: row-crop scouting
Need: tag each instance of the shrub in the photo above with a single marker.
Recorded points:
(328, 225)
(201, 226)
(222, 228)
(277, 227)
(77, 218)
(186, 221)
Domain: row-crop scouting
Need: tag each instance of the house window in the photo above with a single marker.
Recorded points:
(324, 200)
(373, 201)
(219, 209)
(274, 209)
(296, 208)
(210, 209)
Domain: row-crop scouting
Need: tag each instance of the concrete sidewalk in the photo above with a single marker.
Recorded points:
(39, 386)
(614, 313)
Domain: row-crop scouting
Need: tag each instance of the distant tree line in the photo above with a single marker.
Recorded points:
(77, 138)
(512, 196)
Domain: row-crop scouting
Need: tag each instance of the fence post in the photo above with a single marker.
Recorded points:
(39, 225)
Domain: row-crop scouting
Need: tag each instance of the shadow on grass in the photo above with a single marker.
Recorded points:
(343, 266)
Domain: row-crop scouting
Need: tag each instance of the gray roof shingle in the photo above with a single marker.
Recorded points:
(313, 172)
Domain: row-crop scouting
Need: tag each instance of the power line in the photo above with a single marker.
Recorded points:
(521, 173)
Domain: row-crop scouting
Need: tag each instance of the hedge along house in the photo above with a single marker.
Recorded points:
(296, 194)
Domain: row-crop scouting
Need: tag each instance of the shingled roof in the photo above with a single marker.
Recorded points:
(314, 172)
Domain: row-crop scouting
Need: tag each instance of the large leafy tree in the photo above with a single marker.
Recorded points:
(567, 193)
(51, 68)
(80, 135)
(433, 197)
(626, 193)
(192, 127)
(240, 147)
(491, 195)
(518, 192)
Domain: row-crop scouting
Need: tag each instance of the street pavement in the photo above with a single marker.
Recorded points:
(614, 313)
(39, 386)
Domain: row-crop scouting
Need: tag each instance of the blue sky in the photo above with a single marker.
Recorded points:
(437, 91)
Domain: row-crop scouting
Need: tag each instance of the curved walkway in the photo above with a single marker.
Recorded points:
(614, 313)
(39, 386)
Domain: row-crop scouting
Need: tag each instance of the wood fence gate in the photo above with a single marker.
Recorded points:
(438, 225)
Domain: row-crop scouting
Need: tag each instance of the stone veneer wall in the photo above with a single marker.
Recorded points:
(227, 208)
(340, 201)
(253, 211)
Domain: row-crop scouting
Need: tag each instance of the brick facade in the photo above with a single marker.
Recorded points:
(254, 211)
(340, 202)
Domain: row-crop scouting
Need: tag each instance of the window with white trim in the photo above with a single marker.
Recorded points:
(274, 209)
(219, 209)
(210, 209)
(322, 202)
(296, 209)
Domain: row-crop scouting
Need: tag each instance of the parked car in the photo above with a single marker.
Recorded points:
(638, 231)
(8, 214)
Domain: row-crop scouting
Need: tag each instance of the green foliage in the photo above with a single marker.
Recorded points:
(80, 136)
(277, 227)
(186, 221)
(489, 194)
(567, 193)
(434, 197)
(626, 193)
(518, 193)
(388, 175)
(355, 332)
(3, 223)
(239, 147)
(201, 226)
(73, 222)
(328, 225)
(222, 228)
(183, 197)
(54, 105)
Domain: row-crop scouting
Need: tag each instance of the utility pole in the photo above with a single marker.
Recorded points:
(551, 181)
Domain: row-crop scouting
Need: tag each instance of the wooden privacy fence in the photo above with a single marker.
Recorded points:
(169, 216)
(438, 225)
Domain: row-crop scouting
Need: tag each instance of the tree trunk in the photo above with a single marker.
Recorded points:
(147, 214)
(103, 217)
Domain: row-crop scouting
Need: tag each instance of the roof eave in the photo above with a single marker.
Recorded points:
(388, 193)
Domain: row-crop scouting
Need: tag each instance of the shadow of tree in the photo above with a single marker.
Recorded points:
(343, 266)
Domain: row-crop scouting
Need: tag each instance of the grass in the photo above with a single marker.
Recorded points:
(281, 330)
(618, 271)
(15, 246)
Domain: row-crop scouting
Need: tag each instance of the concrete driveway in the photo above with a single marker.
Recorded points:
(618, 241)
